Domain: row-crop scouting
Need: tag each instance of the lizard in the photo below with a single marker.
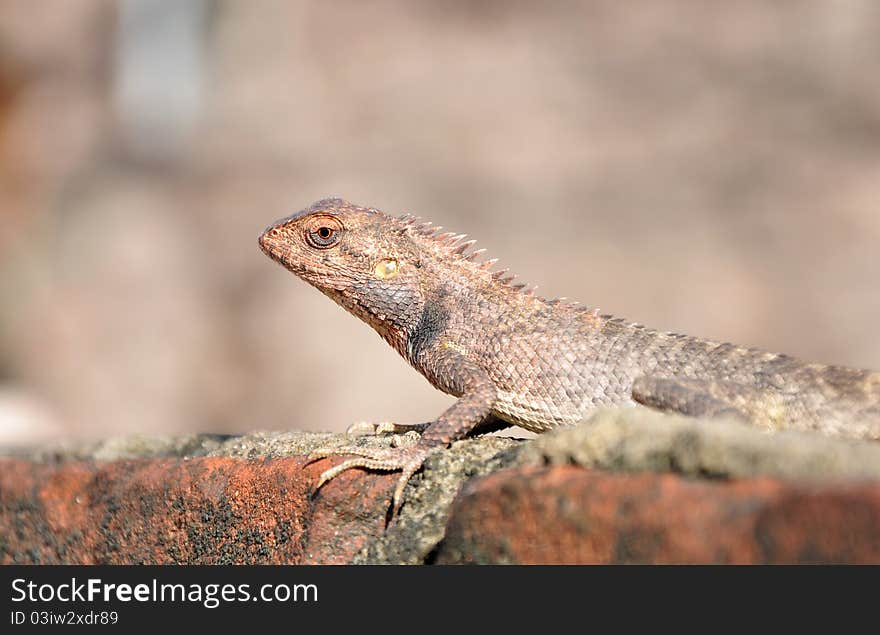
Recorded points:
(512, 357)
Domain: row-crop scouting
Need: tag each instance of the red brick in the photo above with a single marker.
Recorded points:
(567, 514)
(203, 510)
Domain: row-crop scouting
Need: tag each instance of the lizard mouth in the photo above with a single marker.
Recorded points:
(266, 243)
(272, 244)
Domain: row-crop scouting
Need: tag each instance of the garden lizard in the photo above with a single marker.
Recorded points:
(514, 358)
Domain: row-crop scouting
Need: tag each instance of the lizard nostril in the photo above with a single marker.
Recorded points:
(266, 237)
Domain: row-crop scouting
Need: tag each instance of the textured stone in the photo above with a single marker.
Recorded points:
(250, 501)
(197, 511)
(569, 515)
(638, 439)
(625, 486)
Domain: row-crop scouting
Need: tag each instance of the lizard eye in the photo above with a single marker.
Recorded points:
(323, 232)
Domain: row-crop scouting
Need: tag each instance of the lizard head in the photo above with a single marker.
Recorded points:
(398, 274)
(363, 259)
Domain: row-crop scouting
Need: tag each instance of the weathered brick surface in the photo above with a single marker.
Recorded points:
(568, 514)
(199, 510)
(625, 486)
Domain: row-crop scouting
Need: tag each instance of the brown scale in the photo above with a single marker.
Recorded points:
(512, 357)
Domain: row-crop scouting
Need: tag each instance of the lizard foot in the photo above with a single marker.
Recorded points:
(367, 428)
(407, 459)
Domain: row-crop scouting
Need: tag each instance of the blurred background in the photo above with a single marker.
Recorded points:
(712, 168)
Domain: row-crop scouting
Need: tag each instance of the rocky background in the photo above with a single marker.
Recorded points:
(712, 168)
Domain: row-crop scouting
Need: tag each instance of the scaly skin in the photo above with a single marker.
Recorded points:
(515, 358)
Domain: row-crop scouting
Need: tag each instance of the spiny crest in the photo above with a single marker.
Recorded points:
(456, 246)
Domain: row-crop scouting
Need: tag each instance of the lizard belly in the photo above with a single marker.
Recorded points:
(537, 414)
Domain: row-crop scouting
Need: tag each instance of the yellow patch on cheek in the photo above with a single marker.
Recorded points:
(386, 268)
(454, 347)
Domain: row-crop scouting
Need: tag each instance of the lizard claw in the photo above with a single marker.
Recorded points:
(408, 460)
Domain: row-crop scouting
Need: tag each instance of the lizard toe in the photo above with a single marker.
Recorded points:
(368, 428)
(333, 472)
(409, 460)
(324, 453)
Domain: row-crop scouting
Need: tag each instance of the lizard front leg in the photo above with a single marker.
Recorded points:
(473, 408)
